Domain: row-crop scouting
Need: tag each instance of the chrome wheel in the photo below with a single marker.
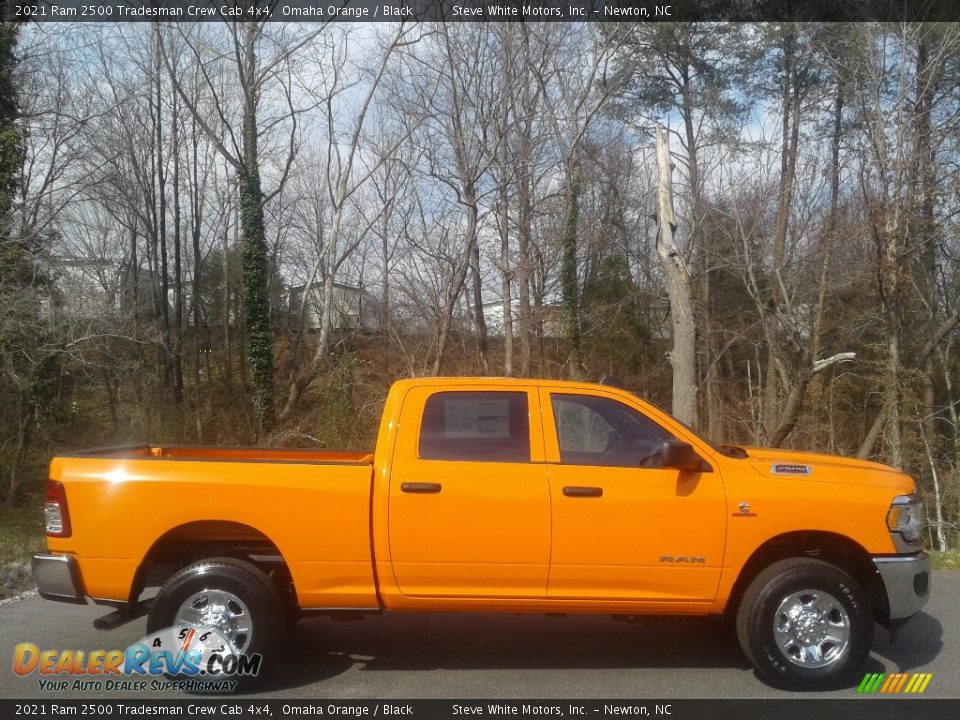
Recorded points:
(221, 611)
(811, 628)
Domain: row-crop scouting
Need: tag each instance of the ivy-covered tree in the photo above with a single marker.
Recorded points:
(254, 73)
(616, 328)
(12, 146)
(29, 366)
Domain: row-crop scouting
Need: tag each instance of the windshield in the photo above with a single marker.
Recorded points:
(732, 451)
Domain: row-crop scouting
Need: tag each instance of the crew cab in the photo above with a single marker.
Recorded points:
(499, 494)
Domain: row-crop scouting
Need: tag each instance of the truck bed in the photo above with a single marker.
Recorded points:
(228, 454)
(312, 506)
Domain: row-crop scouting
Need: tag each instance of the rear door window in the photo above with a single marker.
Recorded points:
(478, 426)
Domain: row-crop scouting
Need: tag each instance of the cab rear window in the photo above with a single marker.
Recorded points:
(477, 426)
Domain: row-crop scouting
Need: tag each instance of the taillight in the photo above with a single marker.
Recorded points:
(55, 510)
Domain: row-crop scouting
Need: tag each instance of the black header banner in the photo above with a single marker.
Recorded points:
(251, 708)
(485, 10)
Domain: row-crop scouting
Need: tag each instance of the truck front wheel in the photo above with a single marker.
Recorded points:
(805, 625)
(231, 597)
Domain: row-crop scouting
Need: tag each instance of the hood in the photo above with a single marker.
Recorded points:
(816, 467)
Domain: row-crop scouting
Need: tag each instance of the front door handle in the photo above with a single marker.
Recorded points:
(577, 491)
(425, 488)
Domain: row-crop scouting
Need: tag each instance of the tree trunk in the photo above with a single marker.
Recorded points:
(479, 320)
(891, 275)
(384, 318)
(788, 163)
(924, 182)
(524, 269)
(161, 215)
(506, 270)
(256, 298)
(227, 304)
(452, 294)
(568, 274)
(683, 354)
(196, 227)
(506, 290)
(177, 349)
(706, 365)
(937, 502)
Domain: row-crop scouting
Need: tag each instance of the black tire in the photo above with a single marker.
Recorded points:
(826, 597)
(259, 596)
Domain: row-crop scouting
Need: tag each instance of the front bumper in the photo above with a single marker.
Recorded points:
(58, 578)
(906, 579)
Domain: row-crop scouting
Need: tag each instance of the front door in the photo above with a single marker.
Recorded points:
(624, 527)
(469, 507)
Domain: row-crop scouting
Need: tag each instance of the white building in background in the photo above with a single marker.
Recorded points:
(353, 307)
(83, 286)
(550, 316)
(493, 317)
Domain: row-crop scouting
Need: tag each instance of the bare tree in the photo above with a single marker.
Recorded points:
(341, 184)
(574, 92)
(259, 63)
(451, 103)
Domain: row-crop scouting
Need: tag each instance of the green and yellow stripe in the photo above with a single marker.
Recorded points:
(894, 683)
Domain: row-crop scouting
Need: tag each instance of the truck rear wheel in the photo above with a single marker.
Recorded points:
(805, 625)
(231, 597)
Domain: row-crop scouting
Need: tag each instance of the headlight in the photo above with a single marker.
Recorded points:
(906, 517)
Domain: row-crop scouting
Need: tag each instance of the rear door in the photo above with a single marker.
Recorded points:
(624, 527)
(469, 505)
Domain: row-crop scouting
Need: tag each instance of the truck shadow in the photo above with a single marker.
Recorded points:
(318, 649)
(917, 644)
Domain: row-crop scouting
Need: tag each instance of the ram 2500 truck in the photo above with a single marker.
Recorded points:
(490, 494)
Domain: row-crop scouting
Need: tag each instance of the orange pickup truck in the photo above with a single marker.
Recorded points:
(499, 494)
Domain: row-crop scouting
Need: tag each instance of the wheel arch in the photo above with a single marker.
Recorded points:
(192, 541)
(838, 550)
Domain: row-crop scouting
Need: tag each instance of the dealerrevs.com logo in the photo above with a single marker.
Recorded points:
(179, 658)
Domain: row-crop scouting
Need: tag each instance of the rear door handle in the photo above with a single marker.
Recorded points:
(425, 488)
(577, 491)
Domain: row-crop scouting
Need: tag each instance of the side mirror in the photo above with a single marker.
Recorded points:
(681, 456)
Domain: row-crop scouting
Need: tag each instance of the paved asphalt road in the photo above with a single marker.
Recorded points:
(502, 656)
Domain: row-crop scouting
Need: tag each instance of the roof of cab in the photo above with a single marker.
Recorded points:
(495, 382)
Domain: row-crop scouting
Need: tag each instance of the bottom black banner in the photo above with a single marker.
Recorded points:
(872, 708)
